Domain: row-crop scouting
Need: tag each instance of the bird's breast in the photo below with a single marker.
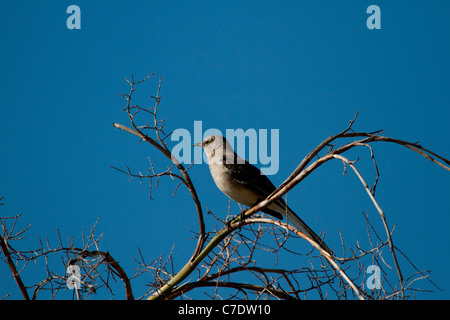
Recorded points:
(235, 190)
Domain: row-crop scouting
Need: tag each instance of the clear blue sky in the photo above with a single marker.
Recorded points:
(302, 67)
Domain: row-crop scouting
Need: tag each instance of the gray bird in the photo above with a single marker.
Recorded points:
(246, 184)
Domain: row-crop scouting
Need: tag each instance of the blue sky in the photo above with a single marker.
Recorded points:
(303, 68)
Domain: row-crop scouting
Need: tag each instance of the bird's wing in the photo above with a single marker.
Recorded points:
(252, 178)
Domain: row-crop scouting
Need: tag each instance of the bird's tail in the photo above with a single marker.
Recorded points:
(302, 227)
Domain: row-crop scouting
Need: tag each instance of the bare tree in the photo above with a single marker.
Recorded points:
(238, 257)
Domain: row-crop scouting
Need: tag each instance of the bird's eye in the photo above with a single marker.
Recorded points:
(212, 138)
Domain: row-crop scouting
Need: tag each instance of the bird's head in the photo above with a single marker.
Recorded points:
(213, 145)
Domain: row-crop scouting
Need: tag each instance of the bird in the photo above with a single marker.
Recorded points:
(246, 184)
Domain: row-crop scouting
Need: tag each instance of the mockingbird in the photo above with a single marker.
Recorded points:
(246, 184)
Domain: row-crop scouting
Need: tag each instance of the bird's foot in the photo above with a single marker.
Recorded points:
(240, 217)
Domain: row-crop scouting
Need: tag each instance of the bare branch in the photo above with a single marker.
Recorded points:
(161, 146)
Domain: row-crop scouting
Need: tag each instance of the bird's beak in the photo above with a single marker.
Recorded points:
(198, 144)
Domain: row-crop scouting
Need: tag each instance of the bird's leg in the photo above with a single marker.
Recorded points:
(240, 216)
(229, 223)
